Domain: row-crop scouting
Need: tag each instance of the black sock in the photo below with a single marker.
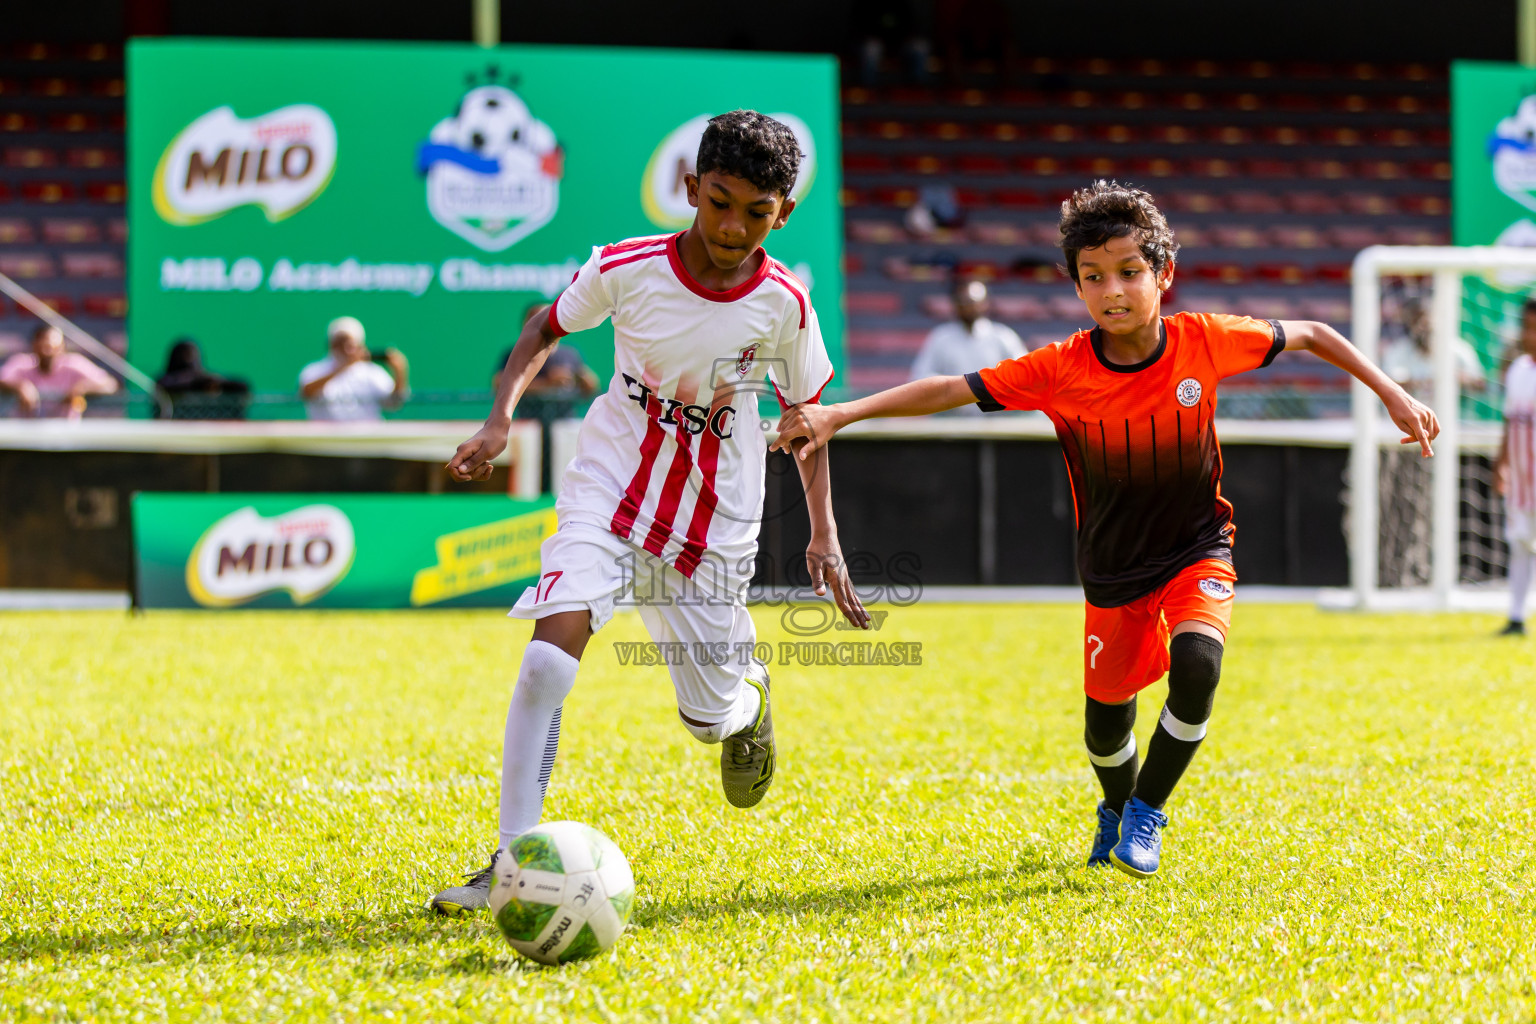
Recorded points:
(1110, 740)
(1193, 672)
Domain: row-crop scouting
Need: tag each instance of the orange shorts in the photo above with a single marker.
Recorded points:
(1125, 649)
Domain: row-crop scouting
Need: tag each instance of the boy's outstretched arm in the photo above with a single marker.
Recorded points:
(472, 460)
(824, 555)
(1415, 419)
(817, 423)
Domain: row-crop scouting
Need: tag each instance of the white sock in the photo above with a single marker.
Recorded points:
(1520, 559)
(532, 736)
(743, 712)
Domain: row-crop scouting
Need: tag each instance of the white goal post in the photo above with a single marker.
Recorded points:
(1430, 537)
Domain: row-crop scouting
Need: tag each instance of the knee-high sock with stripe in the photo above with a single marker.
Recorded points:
(1112, 748)
(532, 735)
(1193, 672)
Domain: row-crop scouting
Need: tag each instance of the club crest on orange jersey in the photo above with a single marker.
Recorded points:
(1216, 588)
(744, 361)
(1188, 392)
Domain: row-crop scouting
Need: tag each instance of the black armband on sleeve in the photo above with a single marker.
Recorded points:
(1278, 346)
(983, 397)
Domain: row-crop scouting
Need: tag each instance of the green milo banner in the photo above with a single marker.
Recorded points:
(1493, 154)
(432, 191)
(335, 551)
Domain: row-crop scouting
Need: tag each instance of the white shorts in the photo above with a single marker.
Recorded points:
(1520, 528)
(701, 626)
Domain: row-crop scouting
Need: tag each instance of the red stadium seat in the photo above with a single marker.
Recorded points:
(1425, 205)
(1003, 131)
(1115, 133)
(891, 130)
(1435, 170)
(1189, 101)
(1238, 236)
(853, 263)
(97, 52)
(942, 307)
(1245, 101)
(1223, 273)
(74, 121)
(1190, 236)
(1338, 136)
(981, 163)
(115, 306)
(982, 270)
(876, 232)
(1394, 137)
(1018, 198)
(1214, 167)
(92, 264)
(898, 196)
(1352, 104)
(990, 232)
(1338, 273)
(1382, 170)
(1061, 132)
(60, 304)
(54, 86)
(1066, 307)
(1351, 236)
(15, 231)
(1297, 102)
(922, 163)
(27, 265)
(1156, 167)
(856, 96)
(1044, 165)
(850, 197)
(886, 342)
(1267, 168)
(874, 303)
(1293, 236)
(10, 87)
(1196, 202)
(1328, 310)
(1133, 100)
(947, 131)
(1253, 201)
(1099, 166)
(38, 51)
(1171, 134)
(1373, 203)
(117, 229)
(877, 378)
(48, 191)
(1407, 234)
(1019, 307)
(866, 163)
(1280, 273)
(70, 230)
(1284, 135)
(106, 191)
(1045, 232)
(16, 121)
(1315, 204)
(1328, 170)
(30, 156)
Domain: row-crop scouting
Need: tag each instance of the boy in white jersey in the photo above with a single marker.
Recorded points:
(1515, 470)
(662, 503)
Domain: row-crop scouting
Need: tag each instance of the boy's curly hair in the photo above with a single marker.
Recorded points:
(752, 146)
(1108, 209)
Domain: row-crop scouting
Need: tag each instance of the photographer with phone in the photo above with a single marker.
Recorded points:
(350, 383)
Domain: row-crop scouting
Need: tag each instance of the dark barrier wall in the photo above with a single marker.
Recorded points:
(937, 512)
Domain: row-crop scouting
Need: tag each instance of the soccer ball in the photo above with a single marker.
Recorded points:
(562, 892)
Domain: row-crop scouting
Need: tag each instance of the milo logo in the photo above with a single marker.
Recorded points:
(1512, 150)
(279, 161)
(663, 195)
(245, 555)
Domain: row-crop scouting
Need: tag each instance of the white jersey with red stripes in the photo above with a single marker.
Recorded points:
(671, 456)
(1519, 418)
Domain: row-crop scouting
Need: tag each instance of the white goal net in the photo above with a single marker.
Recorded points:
(1445, 323)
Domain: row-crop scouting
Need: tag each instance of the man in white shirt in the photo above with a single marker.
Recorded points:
(348, 384)
(959, 346)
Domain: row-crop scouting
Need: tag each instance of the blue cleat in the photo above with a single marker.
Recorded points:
(1141, 841)
(1104, 837)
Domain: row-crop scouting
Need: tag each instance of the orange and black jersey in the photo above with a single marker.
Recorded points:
(1139, 443)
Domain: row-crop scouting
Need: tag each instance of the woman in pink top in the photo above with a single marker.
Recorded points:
(51, 382)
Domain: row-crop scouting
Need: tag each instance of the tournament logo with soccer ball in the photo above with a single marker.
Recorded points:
(493, 169)
(1512, 149)
(1188, 392)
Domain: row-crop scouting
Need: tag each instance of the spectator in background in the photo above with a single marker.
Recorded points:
(970, 340)
(50, 382)
(561, 381)
(1408, 360)
(349, 384)
(197, 393)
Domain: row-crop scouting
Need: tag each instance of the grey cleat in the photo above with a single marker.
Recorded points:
(747, 757)
(473, 895)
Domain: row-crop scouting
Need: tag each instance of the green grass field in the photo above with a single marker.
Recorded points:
(237, 818)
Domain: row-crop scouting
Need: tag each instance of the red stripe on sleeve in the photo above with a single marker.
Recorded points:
(629, 507)
(604, 268)
(554, 321)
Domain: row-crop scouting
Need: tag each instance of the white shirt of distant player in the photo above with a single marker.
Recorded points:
(1519, 419)
(672, 454)
(952, 351)
(356, 393)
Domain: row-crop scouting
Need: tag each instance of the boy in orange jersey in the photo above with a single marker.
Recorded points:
(1133, 401)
